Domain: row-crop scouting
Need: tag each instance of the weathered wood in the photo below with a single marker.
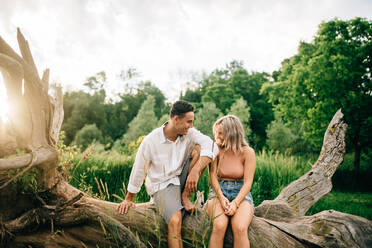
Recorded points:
(302, 193)
(59, 215)
(57, 115)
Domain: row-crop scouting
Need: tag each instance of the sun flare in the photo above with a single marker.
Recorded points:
(3, 102)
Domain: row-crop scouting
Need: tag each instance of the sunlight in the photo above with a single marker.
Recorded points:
(3, 102)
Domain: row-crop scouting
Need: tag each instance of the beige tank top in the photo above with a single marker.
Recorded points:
(230, 165)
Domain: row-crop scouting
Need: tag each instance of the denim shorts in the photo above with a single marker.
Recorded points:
(230, 189)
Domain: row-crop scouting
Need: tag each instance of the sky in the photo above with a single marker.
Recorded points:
(167, 41)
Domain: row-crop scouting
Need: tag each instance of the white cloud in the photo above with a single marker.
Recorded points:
(77, 39)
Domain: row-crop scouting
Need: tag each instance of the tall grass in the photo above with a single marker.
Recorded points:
(274, 171)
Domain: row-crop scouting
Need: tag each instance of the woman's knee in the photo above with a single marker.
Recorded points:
(239, 228)
(220, 224)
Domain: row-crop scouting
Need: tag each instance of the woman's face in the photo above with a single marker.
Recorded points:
(219, 137)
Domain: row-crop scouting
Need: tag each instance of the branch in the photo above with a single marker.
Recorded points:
(329, 229)
(11, 65)
(42, 155)
(45, 79)
(301, 194)
(7, 50)
(26, 52)
(56, 115)
(105, 230)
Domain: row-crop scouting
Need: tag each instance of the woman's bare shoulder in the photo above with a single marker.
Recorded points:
(248, 151)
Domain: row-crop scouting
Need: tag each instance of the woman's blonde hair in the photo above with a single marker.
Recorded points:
(233, 131)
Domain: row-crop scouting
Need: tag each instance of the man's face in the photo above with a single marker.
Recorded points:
(183, 125)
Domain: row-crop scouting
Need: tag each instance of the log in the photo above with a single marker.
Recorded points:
(59, 215)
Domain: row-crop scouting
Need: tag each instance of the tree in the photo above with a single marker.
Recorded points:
(97, 82)
(221, 95)
(279, 137)
(248, 85)
(83, 108)
(55, 214)
(224, 86)
(87, 135)
(331, 72)
(241, 110)
(143, 123)
(148, 89)
(205, 118)
(163, 119)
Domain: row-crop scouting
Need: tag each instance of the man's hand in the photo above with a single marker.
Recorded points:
(124, 206)
(192, 180)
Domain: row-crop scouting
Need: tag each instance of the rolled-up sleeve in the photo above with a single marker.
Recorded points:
(207, 147)
(139, 168)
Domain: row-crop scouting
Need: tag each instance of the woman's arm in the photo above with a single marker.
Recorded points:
(216, 186)
(249, 168)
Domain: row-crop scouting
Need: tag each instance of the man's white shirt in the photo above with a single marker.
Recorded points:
(160, 160)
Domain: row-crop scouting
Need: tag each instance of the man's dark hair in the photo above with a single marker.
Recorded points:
(180, 108)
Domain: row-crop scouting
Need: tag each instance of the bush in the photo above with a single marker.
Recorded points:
(143, 123)
(87, 135)
(205, 118)
(279, 137)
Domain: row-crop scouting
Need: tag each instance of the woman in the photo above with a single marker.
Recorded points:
(231, 178)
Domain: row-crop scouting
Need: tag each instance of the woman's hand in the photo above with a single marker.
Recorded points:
(224, 203)
(232, 208)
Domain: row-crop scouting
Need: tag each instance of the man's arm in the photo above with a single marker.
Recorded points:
(195, 173)
(136, 178)
(208, 151)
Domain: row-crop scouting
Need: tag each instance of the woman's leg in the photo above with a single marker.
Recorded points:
(240, 222)
(220, 222)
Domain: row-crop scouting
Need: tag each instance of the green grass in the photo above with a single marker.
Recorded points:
(352, 203)
(274, 171)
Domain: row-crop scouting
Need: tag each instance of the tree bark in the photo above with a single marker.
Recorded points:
(55, 214)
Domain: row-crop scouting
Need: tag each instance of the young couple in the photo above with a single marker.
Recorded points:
(171, 175)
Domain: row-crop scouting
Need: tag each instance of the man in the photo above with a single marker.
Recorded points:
(163, 158)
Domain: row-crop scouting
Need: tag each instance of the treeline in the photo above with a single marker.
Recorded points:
(287, 110)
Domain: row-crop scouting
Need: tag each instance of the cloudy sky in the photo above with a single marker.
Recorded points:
(166, 40)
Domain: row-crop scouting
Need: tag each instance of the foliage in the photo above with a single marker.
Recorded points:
(111, 117)
(331, 72)
(248, 85)
(162, 120)
(26, 181)
(221, 95)
(81, 109)
(97, 82)
(143, 123)
(274, 171)
(241, 110)
(148, 89)
(87, 135)
(279, 137)
(65, 155)
(224, 86)
(205, 118)
(353, 203)
(111, 168)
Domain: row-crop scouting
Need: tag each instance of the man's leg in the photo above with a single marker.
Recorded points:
(168, 203)
(189, 206)
(174, 230)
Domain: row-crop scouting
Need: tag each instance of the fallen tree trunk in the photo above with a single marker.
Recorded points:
(55, 214)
